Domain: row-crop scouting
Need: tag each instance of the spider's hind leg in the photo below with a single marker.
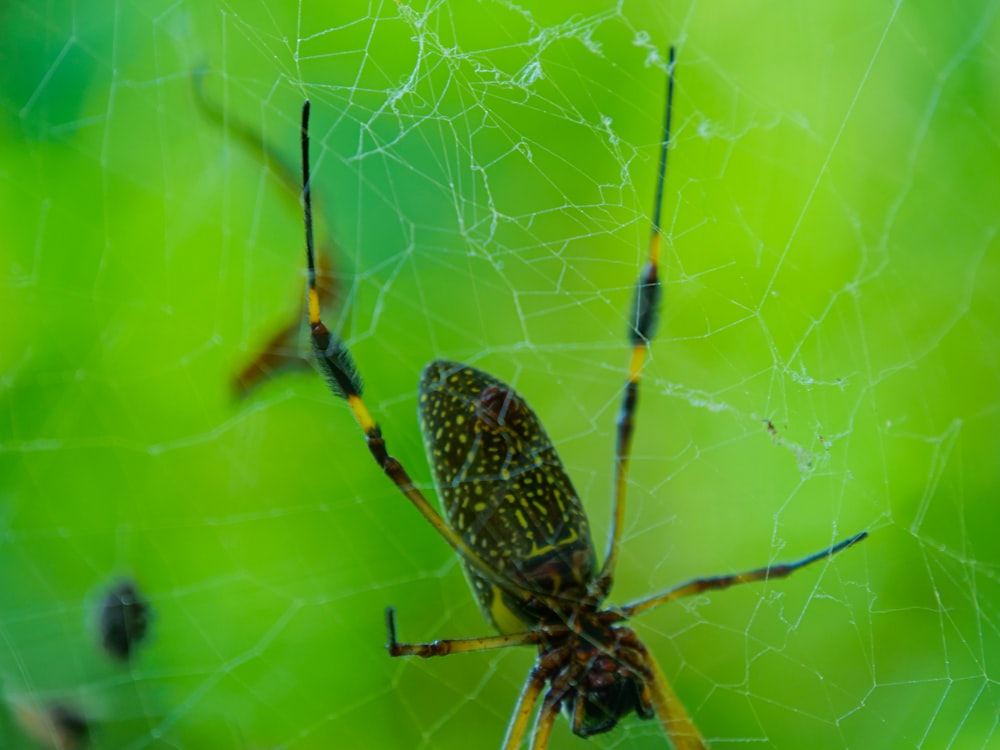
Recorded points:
(674, 719)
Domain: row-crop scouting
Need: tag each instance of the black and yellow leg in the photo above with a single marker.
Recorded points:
(455, 645)
(723, 582)
(642, 327)
(337, 366)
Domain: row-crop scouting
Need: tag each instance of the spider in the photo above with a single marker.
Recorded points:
(519, 527)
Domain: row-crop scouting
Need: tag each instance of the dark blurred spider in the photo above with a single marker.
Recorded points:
(123, 620)
(281, 352)
(520, 529)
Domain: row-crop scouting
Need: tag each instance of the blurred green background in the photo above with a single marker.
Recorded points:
(486, 171)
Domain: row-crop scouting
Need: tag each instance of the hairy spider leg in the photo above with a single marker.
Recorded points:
(642, 327)
(341, 374)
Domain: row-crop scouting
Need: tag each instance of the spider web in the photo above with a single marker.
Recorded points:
(828, 359)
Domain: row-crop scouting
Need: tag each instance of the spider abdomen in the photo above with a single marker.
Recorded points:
(504, 489)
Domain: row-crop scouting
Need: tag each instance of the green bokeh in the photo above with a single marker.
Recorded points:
(486, 174)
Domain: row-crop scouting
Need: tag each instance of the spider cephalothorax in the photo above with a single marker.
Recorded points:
(595, 675)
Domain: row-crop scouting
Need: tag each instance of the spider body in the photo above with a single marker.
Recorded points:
(504, 489)
(596, 690)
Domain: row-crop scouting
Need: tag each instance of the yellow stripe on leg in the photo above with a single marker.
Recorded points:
(313, 307)
(361, 413)
(654, 249)
(636, 362)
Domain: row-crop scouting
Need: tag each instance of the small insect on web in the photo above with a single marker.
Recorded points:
(519, 527)
(123, 620)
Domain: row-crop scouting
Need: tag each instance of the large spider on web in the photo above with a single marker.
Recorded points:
(518, 525)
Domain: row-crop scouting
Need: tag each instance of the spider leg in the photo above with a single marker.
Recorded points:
(338, 368)
(525, 707)
(282, 353)
(683, 734)
(642, 326)
(455, 645)
(722, 582)
(336, 364)
(543, 725)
